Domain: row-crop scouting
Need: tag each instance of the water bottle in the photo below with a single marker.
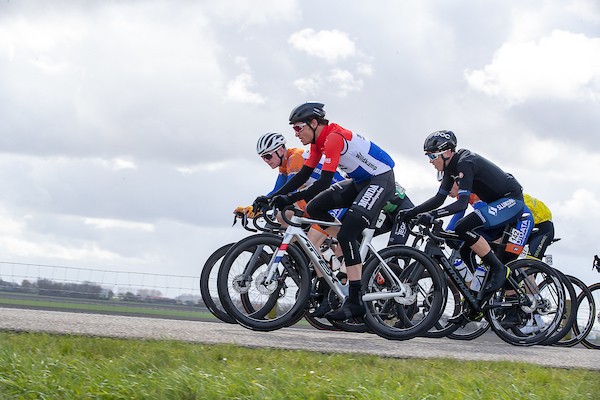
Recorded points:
(463, 270)
(333, 261)
(478, 278)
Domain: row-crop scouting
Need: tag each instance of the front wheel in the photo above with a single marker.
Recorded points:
(246, 294)
(404, 296)
(592, 340)
(208, 284)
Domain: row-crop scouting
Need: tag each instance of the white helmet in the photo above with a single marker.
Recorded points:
(269, 142)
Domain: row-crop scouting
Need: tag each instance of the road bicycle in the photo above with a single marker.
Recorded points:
(287, 278)
(520, 313)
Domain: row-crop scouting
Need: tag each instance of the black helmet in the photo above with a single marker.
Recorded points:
(307, 111)
(440, 141)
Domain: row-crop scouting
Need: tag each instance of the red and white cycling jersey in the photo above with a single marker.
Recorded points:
(358, 157)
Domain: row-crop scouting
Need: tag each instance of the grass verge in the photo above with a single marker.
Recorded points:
(45, 366)
(106, 308)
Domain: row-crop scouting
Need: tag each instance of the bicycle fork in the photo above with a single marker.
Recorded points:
(402, 295)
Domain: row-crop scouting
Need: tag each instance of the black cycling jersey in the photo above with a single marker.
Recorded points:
(474, 174)
(478, 175)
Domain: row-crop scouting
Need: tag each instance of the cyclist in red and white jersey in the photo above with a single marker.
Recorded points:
(370, 185)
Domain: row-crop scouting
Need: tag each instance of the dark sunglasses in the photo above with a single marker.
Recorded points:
(268, 156)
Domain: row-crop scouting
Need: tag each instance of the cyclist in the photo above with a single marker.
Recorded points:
(473, 174)
(539, 237)
(369, 187)
(271, 148)
(393, 224)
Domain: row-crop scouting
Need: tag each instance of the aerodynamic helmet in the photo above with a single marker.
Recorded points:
(440, 141)
(269, 142)
(307, 111)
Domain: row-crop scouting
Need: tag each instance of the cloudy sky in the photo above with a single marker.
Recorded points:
(128, 128)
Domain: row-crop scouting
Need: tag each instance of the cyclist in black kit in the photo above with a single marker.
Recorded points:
(474, 174)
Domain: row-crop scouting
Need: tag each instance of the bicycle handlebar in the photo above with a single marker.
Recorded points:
(297, 212)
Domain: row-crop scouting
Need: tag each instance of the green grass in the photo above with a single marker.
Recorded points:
(44, 366)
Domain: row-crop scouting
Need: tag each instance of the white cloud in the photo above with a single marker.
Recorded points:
(563, 66)
(331, 46)
(345, 81)
(339, 81)
(588, 10)
(105, 223)
(583, 205)
(309, 85)
(238, 90)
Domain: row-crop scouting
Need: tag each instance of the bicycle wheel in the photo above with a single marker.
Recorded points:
(592, 340)
(568, 318)
(397, 317)
(470, 331)
(521, 313)
(584, 319)
(452, 307)
(208, 284)
(314, 300)
(245, 293)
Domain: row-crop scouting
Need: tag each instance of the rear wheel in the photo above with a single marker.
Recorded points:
(585, 316)
(568, 318)
(530, 308)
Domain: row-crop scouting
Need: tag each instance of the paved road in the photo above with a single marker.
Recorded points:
(488, 347)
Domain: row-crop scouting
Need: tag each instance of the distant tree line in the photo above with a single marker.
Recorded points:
(90, 290)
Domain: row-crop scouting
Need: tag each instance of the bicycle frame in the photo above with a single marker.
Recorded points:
(294, 231)
(434, 250)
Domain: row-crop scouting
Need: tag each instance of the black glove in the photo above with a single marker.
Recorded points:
(281, 201)
(426, 219)
(408, 214)
(261, 203)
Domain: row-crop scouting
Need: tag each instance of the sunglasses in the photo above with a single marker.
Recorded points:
(433, 156)
(268, 156)
(299, 127)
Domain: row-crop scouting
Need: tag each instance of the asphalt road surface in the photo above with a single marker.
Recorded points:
(488, 347)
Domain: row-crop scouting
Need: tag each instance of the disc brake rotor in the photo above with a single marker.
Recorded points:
(262, 287)
(409, 298)
(241, 284)
(532, 307)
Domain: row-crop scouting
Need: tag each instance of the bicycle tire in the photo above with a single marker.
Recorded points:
(276, 306)
(422, 309)
(470, 331)
(570, 311)
(584, 319)
(452, 307)
(538, 314)
(208, 280)
(592, 339)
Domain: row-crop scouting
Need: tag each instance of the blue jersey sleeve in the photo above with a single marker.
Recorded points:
(281, 180)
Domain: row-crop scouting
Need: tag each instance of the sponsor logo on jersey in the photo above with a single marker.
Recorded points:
(508, 203)
(365, 161)
(371, 195)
